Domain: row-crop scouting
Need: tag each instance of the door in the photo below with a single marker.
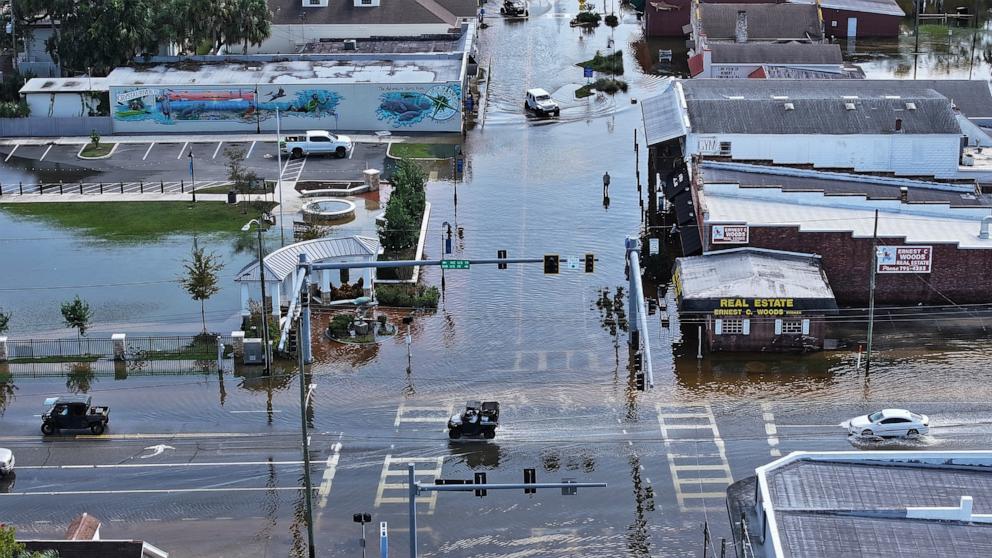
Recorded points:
(852, 27)
(77, 415)
(894, 427)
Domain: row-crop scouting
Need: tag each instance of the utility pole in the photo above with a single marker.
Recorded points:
(282, 224)
(261, 276)
(871, 292)
(13, 32)
(916, 34)
(306, 440)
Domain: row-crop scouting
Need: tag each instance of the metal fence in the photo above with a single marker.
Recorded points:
(43, 126)
(98, 188)
(135, 348)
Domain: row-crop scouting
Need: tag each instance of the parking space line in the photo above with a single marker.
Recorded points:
(352, 153)
(220, 143)
(182, 151)
(45, 154)
(250, 149)
(149, 150)
(11, 154)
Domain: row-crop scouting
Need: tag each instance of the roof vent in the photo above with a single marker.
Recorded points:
(850, 97)
(790, 106)
(253, 68)
(351, 44)
(893, 97)
(849, 106)
(780, 97)
(736, 97)
(910, 106)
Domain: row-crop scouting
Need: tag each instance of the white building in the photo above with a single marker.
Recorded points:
(280, 269)
(65, 97)
(861, 125)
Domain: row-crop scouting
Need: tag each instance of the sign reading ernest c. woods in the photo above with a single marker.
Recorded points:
(730, 234)
(905, 259)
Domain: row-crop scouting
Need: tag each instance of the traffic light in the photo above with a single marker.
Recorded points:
(501, 254)
(551, 264)
(530, 477)
(638, 361)
(639, 380)
(480, 478)
(590, 263)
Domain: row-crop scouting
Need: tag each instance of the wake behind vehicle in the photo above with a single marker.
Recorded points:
(889, 423)
(478, 419)
(74, 413)
(540, 102)
(316, 142)
(514, 8)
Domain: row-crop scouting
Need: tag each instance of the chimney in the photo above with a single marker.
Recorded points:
(898, 124)
(741, 36)
(904, 194)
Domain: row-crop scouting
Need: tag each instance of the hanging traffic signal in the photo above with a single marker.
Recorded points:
(551, 264)
(530, 477)
(638, 362)
(639, 380)
(501, 254)
(590, 263)
(480, 478)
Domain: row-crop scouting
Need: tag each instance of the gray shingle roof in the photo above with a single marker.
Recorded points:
(883, 7)
(344, 12)
(764, 21)
(817, 107)
(775, 53)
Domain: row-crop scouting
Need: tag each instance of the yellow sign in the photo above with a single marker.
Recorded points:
(756, 307)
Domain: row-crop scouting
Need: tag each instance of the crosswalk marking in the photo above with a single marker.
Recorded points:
(422, 415)
(682, 463)
(293, 169)
(397, 466)
(770, 430)
(325, 485)
(555, 360)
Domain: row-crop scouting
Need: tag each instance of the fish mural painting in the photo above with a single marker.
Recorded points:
(406, 108)
(169, 106)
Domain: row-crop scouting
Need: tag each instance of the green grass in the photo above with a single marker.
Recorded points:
(422, 150)
(97, 150)
(610, 63)
(223, 189)
(137, 221)
(50, 359)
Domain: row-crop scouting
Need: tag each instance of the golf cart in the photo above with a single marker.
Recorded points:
(74, 413)
(514, 8)
(478, 419)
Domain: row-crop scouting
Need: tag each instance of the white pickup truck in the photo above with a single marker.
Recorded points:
(316, 142)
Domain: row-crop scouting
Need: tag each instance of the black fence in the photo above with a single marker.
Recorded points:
(98, 188)
(135, 348)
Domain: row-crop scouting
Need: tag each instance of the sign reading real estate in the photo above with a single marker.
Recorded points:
(904, 259)
(730, 234)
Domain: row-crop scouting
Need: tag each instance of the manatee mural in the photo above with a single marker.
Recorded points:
(168, 106)
(406, 108)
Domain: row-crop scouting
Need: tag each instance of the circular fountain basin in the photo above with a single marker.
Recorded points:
(328, 211)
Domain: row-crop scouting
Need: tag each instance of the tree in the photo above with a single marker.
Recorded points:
(95, 138)
(4, 321)
(237, 173)
(410, 180)
(397, 232)
(247, 22)
(200, 280)
(77, 314)
(10, 548)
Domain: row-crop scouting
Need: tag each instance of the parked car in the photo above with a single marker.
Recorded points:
(74, 413)
(317, 142)
(514, 8)
(6, 462)
(540, 102)
(889, 423)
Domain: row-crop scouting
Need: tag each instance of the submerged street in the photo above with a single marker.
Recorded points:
(210, 465)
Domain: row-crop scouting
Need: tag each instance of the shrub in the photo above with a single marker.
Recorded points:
(14, 109)
(612, 20)
(407, 296)
(339, 325)
(588, 17)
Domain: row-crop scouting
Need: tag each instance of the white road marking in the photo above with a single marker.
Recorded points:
(182, 151)
(250, 149)
(220, 143)
(156, 450)
(352, 152)
(421, 414)
(675, 421)
(329, 472)
(260, 411)
(149, 465)
(149, 150)
(770, 429)
(150, 491)
(45, 154)
(402, 462)
(11, 154)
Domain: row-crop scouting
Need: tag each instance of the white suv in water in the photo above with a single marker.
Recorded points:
(540, 101)
(6, 462)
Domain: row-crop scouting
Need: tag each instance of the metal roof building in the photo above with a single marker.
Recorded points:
(867, 504)
(776, 53)
(763, 22)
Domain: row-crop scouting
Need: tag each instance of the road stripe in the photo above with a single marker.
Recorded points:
(250, 149)
(220, 143)
(45, 154)
(150, 491)
(149, 150)
(182, 151)
(152, 465)
(11, 154)
(260, 411)
(329, 472)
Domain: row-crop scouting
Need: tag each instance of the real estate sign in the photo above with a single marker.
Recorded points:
(730, 234)
(904, 259)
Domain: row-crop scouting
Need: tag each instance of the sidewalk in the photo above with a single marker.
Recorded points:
(211, 138)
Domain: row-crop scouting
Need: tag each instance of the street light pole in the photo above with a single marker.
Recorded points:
(282, 224)
(265, 311)
(192, 177)
(306, 446)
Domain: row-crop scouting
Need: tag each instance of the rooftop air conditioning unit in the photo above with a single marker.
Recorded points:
(351, 44)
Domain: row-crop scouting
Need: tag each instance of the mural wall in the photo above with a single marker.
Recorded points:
(432, 107)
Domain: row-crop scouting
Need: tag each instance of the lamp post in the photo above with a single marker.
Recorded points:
(261, 275)
(192, 178)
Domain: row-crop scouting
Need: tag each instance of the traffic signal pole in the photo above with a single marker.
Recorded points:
(638, 314)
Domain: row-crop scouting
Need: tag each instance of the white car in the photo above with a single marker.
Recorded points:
(317, 142)
(889, 423)
(6, 462)
(540, 101)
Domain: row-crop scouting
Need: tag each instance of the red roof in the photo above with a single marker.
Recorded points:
(759, 73)
(696, 65)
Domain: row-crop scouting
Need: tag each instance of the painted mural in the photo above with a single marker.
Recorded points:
(169, 106)
(407, 108)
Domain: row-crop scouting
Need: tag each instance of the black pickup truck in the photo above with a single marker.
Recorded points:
(74, 413)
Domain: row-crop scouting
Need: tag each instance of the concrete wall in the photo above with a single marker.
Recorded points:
(958, 275)
(42, 126)
(62, 104)
(905, 154)
(286, 39)
(251, 108)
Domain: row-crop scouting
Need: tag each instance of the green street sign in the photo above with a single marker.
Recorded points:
(454, 264)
